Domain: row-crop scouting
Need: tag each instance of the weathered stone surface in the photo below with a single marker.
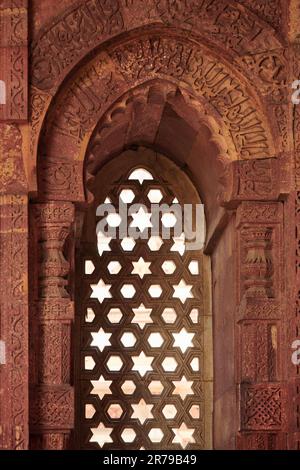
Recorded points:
(208, 84)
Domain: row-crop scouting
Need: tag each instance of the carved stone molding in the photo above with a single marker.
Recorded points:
(256, 180)
(12, 173)
(109, 76)
(52, 408)
(252, 308)
(50, 441)
(61, 180)
(259, 212)
(14, 321)
(195, 67)
(272, 12)
(14, 59)
(261, 441)
(230, 27)
(258, 351)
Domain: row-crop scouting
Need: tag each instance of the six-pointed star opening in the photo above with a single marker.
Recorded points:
(141, 267)
(183, 387)
(101, 387)
(182, 291)
(101, 435)
(142, 363)
(183, 340)
(101, 291)
(142, 411)
(183, 435)
(142, 316)
(141, 219)
(101, 339)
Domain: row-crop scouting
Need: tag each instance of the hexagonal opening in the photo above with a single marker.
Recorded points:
(168, 220)
(155, 196)
(194, 411)
(155, 242)
(128, 435)
(128, 291)
(89, 267)
(194, 315)
(114, 315)
(127, 196)
(156, 435)
(155, 291)
(128, 387)
(113, 220)
(155, 340)
(114, 363)
(169, 411)
(128, 244)
(114, 267)
(155, 387)
(168, 267)
(169, 364)
(128, 339)
(194, 267)
(169, 315)
(115, 411)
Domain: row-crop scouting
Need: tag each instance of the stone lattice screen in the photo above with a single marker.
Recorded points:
(141, 329)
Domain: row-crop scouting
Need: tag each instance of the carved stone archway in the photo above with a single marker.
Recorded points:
(175, 85)
(212, 78)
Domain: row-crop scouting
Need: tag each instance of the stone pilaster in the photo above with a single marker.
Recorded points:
(14, 322)
(52, 397)
(260, 334)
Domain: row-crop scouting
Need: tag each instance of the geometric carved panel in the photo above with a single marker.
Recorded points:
(261, 407)
(52, 407)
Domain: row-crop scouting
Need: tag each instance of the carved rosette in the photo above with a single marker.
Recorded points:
(52, 397)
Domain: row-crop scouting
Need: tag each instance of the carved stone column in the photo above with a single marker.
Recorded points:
(13, 322)
(257, 266)
(52, 395)
(260, 326)
(13, 225)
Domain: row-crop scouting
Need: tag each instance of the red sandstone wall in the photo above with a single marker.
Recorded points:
(224, 306)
